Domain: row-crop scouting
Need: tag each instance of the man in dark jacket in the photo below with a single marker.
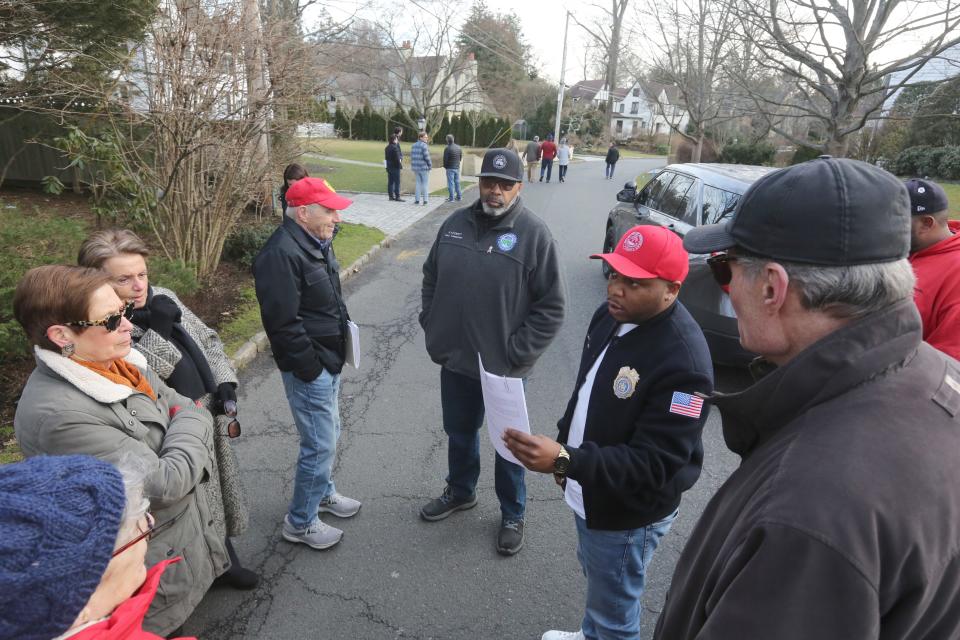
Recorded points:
(629, 441)
(613, 154)
(843, 519)
(393, 161)
(491, 285)
(452, 157)
(301, 305)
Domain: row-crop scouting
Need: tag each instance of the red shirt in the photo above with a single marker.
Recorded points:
(548, 150)
(938, 292)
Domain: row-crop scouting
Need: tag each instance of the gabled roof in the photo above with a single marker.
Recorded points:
(588, 90)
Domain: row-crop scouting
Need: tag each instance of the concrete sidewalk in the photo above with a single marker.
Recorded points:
(376, 210)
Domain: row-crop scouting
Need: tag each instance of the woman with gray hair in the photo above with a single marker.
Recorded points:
(190, 358)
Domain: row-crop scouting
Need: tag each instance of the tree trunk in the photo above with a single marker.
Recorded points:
(698, 150)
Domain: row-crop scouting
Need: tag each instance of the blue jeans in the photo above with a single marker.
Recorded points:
(546, 165)
(608, 172)
(423, 177)
(316, 411)
(462, 402)
(453, 182)
(393, 183)
(615, 564)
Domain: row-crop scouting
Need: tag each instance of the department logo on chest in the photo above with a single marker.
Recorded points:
(507, 242)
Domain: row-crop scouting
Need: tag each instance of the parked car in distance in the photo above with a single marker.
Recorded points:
(681, 197)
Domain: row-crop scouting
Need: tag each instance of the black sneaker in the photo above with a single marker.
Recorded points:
(510, 538)
(440, 508)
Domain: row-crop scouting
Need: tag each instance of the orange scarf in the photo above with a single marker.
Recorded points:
(122, 372)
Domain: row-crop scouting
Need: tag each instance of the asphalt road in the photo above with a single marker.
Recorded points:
(394, 575)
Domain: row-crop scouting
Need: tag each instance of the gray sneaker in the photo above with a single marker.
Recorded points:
(340, 506)
(440, 508)
(318, 535)
(510, 538)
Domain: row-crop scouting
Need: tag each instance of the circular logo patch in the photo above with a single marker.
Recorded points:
(500, 161)
(633, 241)
(921, 190)
(507, 242)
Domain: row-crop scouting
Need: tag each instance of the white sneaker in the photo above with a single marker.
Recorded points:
(563, 635)
(340, 506)
(318, 535)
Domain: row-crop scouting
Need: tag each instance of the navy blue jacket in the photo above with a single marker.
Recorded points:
(637, 457)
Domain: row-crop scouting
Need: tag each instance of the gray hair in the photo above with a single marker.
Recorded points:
(133, 470)
(844, 292)
(449, 138)
(535, 138)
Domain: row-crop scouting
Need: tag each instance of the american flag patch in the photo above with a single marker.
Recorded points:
(686, 404)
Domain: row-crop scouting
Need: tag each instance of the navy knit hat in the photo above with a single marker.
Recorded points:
(59, 518)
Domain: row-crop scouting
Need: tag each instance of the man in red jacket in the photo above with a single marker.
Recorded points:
(548, 151)
(935, 256)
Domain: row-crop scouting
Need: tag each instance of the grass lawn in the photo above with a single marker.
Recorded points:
(953, 197)
(371, 150)
(347, 177)
(353, 241)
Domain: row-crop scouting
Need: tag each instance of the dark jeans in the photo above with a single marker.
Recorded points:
(393, 183)
(546, 165)
(608, 172)
(562, 169)
(462, 402)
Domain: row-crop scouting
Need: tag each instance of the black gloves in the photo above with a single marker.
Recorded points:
(227, 397)
(164, 313)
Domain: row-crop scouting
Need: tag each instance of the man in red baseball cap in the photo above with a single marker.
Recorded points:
(629, 442)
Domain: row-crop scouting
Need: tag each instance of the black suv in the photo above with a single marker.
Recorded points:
(680, 197)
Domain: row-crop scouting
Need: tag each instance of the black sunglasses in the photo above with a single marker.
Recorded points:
(110, 323)
(720, 268)
(505, 185)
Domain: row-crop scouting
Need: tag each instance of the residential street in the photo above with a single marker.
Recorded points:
(394, 575)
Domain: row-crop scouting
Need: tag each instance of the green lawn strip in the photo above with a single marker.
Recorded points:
(353, 241)
(9, 451)
(348, 177)
(953, 196)
(372, 150)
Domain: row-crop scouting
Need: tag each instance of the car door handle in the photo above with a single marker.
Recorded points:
(670, 226)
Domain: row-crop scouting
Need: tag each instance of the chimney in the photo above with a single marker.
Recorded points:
(406, 44)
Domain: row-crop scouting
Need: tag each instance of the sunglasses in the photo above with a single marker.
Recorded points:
(720, 268)
(111, 322)
(505, 185)
(152, 530)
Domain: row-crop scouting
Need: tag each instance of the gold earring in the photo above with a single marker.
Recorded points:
(67, 350)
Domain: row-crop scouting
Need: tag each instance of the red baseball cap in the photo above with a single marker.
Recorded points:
(308, 191)
(648, 251)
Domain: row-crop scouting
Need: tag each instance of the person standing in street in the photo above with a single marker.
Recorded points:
(548, 151)
(298, 287)
(564, 155)
(393, 161)
(491, 285)
(452, 157)
(935, 256)
(843, 519)
(532, 156)
(613, 154)
(630, 439)
(421, 164)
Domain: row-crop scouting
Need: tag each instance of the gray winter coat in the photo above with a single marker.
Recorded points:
(69, 409)
(226, 494)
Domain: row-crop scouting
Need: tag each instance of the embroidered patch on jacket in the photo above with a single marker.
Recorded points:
(633, 241)
(625, 383)
(507, 242)
(685, 404)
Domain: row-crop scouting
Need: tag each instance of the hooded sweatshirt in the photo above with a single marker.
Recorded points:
(938, 292)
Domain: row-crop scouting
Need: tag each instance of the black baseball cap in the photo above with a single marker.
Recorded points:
(501, 163)
(926, 197)
(827, 211)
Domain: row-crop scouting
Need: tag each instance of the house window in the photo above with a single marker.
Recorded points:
(619, 126)
(636, 92)
(621, 107)
(635, 108)
(657, 128)
(634, 129)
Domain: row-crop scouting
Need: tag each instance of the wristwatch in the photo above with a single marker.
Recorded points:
(561, 462)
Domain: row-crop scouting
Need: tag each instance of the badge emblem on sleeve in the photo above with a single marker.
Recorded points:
(625, 383)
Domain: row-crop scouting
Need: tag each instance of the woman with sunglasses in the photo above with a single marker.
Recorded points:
(189, 357)
(92, 394)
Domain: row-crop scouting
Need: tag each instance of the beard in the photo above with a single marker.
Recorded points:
(496, 212)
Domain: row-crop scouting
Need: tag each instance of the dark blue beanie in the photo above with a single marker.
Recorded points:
(59, 518)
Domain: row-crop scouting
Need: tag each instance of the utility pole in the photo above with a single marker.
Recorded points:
(563, 70)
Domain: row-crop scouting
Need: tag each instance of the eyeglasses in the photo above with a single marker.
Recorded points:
(505, 185)
(111, 322)
(720, 268)
(152, 530)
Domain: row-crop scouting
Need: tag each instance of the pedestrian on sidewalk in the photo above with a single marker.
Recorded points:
(532, 156)
(452, 158)
(301, 304)
(393, 161)
(564, 155)
(497, 259)
(843, 518)
(629, 442)
(613, 154)
(421, 164)
(935, 256)
(548, 151)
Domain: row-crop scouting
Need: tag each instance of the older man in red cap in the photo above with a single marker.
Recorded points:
(298, 287)
(629, 442)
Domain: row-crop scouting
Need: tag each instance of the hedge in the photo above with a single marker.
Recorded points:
(932, 162)
(366, 124)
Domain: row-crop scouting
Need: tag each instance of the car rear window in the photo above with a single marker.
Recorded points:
(717, 204)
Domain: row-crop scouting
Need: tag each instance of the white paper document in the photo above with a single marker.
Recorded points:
(353, 344)
(506, 407)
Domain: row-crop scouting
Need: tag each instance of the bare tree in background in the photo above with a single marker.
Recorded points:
(832, 55)
(607, 32)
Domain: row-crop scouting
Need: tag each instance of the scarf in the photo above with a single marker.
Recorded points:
(123, 373)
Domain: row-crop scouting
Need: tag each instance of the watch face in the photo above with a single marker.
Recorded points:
(560, 464)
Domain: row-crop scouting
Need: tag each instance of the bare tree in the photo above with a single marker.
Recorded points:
(833, 56)
(607, 32)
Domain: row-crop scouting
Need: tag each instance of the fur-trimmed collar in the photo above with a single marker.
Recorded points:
(87, 380)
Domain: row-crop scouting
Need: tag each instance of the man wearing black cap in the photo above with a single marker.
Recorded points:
(843, 519)
(935, 256)
(491, 285)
